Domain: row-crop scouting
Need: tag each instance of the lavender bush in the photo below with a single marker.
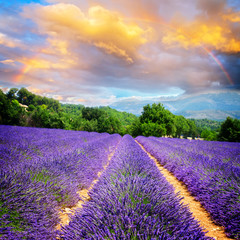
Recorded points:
(211, 171)
(41, 172)
(132, 200)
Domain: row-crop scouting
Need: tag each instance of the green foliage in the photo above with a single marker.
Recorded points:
(125, 118)
(135, 128)
(192, 132)
(153, 129)
(155, 113)
(90, 126)
(10, 111)
(27, 98)
(43, 117)
(181, 125)
(158, 121)
(230, 130)
(97, 119)
(4, 105)
(109, 124)
(209, 135)
(12, 93)
(92, 113)
(14, 219)
(206, 124)
(202, 124)
(154, 121)
(31, 108)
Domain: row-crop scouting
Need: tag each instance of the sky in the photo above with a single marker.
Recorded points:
(96, 52)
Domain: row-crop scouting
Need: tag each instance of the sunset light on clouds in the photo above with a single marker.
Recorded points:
(96, 52)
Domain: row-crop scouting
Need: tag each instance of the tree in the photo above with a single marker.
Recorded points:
(108, 124)
(10, 111)
(11, 94)
(181, 126)
(31, 108)
(230, 130)
(56, 121)
(90, 126)
(4, 108)
(135, 128)
(192, 132)
(24, 96)
(91, 113)
(40, 117)
(209, 135)
(16, 113)
(153, 129)
(159, 118)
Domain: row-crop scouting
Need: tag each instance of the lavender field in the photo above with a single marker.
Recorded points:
(41, 172)
(43, 169)
(211, 171)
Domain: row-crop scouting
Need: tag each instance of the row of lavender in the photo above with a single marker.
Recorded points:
(132, 200)
(224, 151)
(41, 172)
(211, 171)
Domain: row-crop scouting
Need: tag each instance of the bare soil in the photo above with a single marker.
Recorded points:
(66, 213)
(198, 211)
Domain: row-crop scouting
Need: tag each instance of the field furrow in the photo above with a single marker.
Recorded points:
(67, 213)
(41, 172)
(211, 172)
(58, 184)
(198, 211)
(132, 200)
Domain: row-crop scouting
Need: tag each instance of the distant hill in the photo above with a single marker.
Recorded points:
(202, 124)
(215, 106)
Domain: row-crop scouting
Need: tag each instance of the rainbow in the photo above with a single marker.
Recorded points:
(216, 60)
(219, 64)
(26, 68)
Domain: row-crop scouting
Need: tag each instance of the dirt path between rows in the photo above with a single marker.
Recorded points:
(198, 211)
(67, 212)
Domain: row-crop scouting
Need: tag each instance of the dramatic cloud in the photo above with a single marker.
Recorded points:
(99, 27)
(94, 52)
(213, 28)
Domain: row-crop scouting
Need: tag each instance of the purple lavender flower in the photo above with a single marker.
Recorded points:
(132, 200)
(41, 172)
(211, 171)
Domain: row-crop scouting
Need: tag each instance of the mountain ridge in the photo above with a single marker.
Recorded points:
(214, 106)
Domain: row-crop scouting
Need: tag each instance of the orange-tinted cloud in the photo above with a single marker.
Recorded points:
(99, 27)
(57, 46)
(91, 50)
(232, 17)
(40, 63)
(81, 100)
(39, 91)
(215, 33)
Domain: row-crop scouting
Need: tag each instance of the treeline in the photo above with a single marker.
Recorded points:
(208, 129)
(23, 108)
(207, 124)
(228, 130)
(97, 119)
(158, 121)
